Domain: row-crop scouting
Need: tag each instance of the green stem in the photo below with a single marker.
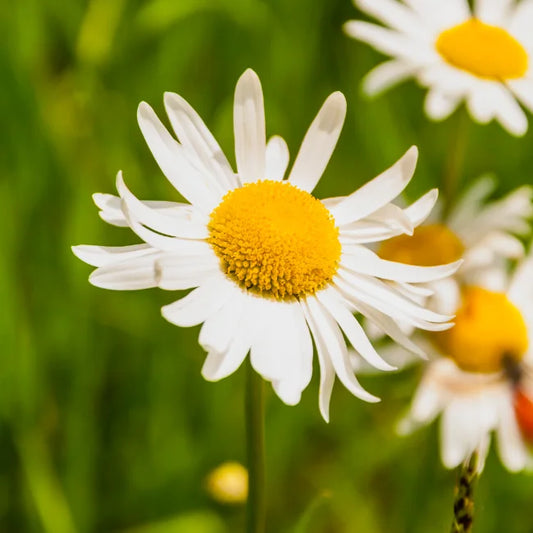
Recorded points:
(455, 159)
(463, 505)
(255, 437)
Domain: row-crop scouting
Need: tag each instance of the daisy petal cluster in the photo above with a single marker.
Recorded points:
(272, 269)
(481, 381)
(485, 234)
(482, 56)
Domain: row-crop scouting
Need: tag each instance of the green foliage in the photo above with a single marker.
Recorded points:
(105, 422)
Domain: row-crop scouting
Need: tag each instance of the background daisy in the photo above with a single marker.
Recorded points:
(479, 378)
(481, 56)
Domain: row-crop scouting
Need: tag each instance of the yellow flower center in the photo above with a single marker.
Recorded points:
(488, 328)
(486, 51)
(429, 246)
(275, 240)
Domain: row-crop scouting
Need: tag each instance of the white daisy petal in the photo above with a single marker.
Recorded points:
(469, 204)
(220, 365)
(130, 275)
(513, 452)
(440, 15)
(389, 42)
(523, 89)
(199, 304)
(220, 327)
(520, 23)
(418, 211)
(159, 220)
(378, 192)
(510, 114)
(277, 357)
(352, 329)
(330, 337)
(394, 14)
(277, 158)
(298, 375)
(172, 161)
(454, 446)
(194, 135)
(364, 261)
(185, 271)
(375, 293)
(438, 105)
(493, 12)
(319, 143)
(387, 75)
(389, 328)
(483, 102)
(426, 406)
(111, 211)
(249, 128)
(99, 256)
(327, 371)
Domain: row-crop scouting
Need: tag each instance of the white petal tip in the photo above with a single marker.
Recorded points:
(336, 106)
(353, 27)
(249, 76)
(82, 252)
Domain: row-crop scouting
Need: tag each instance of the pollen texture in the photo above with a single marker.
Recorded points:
(275, 240)
(486, 51)
(488, 328)
(429, 246)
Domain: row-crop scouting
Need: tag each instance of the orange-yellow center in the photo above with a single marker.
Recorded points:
(488, 329)
(486, 51)
(429, 246)
(275, 240)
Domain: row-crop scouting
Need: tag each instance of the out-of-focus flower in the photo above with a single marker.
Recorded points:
(482, 233)
(271, 266)
(482, 57)
(480, 381)
(228, 483)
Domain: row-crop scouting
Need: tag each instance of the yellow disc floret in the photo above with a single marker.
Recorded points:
(488, 329)
(486, 51)
(275, 239)
(429, 246)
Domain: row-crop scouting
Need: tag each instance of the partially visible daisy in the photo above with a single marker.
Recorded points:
(480, 379)
(485, 234)
(271, 267)
(482, 57)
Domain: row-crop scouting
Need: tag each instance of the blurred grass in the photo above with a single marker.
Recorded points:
(105, 422)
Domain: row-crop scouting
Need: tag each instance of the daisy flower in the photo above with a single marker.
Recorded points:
(483, 233)
(271, 267)
(480, 381)
(481, 56)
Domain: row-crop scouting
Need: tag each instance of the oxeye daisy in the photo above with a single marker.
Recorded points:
(481, 56)
(480, 380)
(485, 234)
(272, 268)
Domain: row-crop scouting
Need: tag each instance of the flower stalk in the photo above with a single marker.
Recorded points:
(255, 437)
(463, 505)
(455, 160)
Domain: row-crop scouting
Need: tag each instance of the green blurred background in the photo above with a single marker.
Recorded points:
(105, 422)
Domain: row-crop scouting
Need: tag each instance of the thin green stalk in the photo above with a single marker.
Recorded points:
(463, 505)
(255, 437)
(455, 158)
